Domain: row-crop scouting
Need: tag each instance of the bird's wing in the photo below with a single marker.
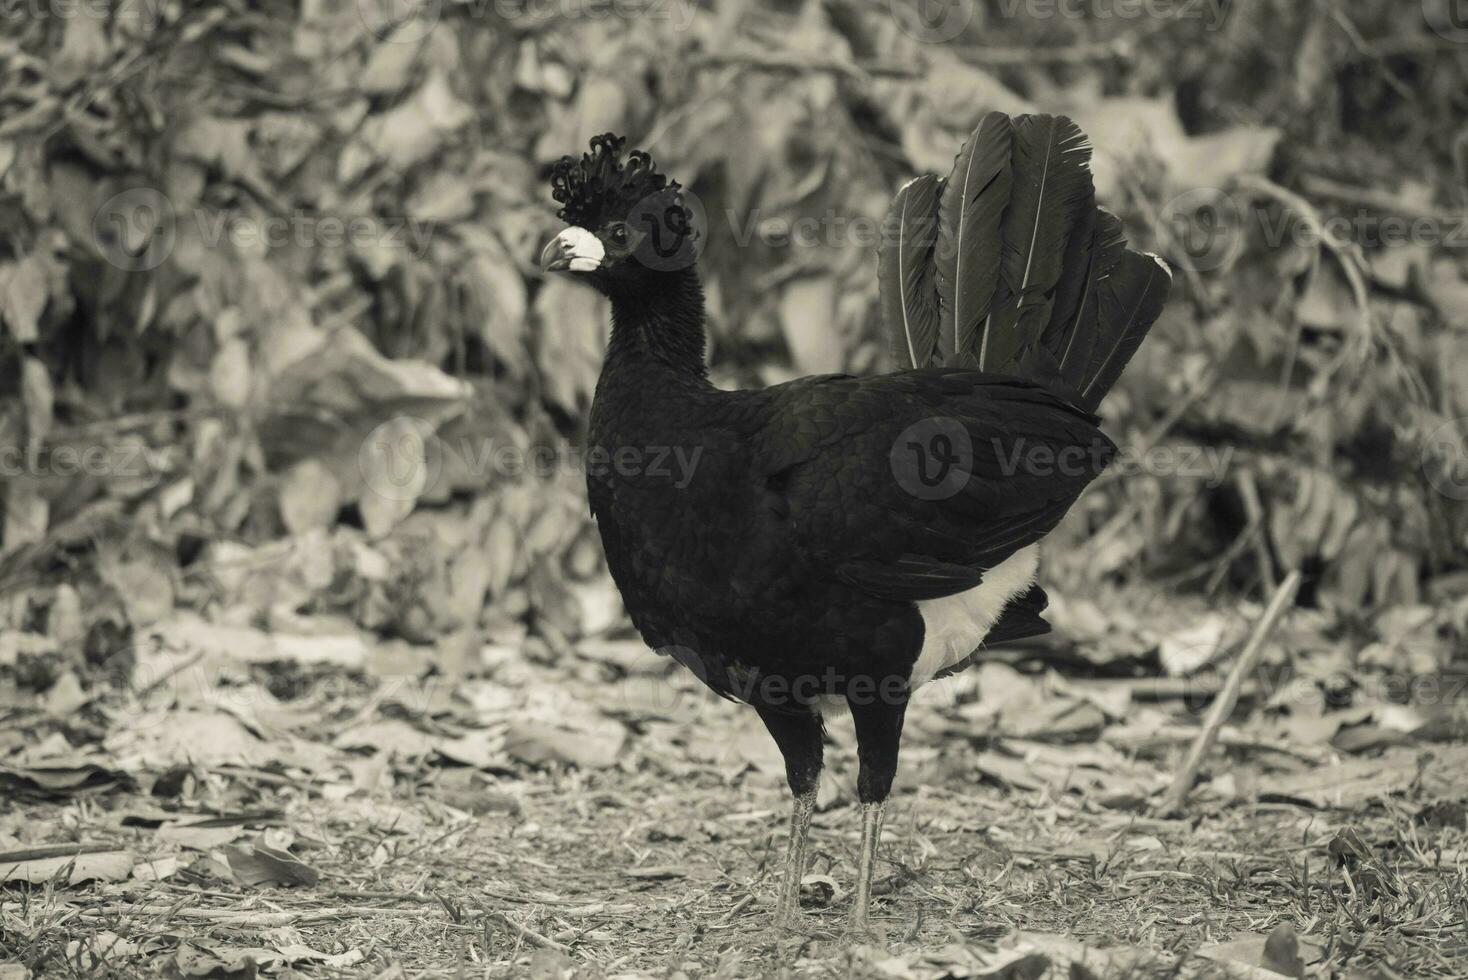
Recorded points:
(910, 486)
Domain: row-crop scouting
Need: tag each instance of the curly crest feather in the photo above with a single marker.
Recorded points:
(600, 187)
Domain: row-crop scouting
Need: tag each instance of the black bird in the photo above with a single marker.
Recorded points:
(834, 542)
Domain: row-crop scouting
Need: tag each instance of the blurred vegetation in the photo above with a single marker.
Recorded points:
(270, 267)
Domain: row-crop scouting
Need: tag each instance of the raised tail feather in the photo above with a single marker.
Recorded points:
(1009, 266)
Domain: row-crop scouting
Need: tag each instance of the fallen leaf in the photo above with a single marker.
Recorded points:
(1282, 952)
(390, 736)
(156, 869)
(542, 742)
(100, 948)
(1250, 953)
(483, 748)
(299, 952)
(24, 291)
(146, 588)
(188, 737)
(1347, 785)
(191, 962)
(1186, 650)
(57, 777)
(197, 837)
(65, 696)
(97, 866)
(259, 864)
(309, 497)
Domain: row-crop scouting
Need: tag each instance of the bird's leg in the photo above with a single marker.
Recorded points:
(789, 901)
(798, 733)
(871, 836)
(878, 722)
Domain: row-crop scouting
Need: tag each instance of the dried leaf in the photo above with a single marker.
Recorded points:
(543, 742)
(1282, 952)
(24, 290)
(200, 836)
(413, 130)
(259, 864)
(309, 497)
(98, 866)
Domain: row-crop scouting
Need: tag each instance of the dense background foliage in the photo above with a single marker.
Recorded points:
(267, 270)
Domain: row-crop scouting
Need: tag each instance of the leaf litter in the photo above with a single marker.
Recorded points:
(250, 807)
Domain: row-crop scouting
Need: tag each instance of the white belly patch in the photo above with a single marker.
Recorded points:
(955, 625)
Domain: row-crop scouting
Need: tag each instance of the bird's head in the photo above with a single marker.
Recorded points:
(629, 225)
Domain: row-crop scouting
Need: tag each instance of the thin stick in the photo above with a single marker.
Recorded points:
(49, 851)
(529, 935)
(1254, 510)
(1223, 706)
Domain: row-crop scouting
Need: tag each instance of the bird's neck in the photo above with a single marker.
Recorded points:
(660, 327)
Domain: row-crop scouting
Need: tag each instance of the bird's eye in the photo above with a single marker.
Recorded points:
(618, 234)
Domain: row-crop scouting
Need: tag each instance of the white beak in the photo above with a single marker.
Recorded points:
(573, 250)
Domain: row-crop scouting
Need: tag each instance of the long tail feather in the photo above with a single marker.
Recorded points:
(1052, 188)
(1132, 298)
(905, 272)
(969, 240)
(1027, 277)
(1071, 334)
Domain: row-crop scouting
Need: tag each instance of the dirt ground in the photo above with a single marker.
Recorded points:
(616, 822)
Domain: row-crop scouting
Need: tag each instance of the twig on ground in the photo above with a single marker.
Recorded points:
(48, 851)
(371, 896)
(527, 934)
(1229, 697)
(738, 907)
(142, 693)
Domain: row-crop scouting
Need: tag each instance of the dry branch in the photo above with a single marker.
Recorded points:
(1223, 706)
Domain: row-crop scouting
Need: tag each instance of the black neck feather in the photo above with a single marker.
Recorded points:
(662, 321)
